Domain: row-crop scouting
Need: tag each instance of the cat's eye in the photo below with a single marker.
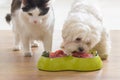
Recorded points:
(30, 14)
(39, 14)
(78, 39)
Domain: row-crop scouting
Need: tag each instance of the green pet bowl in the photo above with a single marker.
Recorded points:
(69, 63)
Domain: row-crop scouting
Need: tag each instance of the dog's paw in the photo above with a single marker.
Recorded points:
(104, 56)
(28, 54)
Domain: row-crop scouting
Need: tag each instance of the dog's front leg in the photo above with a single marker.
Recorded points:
(104, 46)
(47, 42)
(26, 47)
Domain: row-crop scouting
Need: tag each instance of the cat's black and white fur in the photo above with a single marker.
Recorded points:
(32, 20)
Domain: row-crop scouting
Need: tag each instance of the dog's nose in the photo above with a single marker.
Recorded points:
(81, 49)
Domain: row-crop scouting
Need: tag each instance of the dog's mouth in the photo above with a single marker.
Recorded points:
(79, 52)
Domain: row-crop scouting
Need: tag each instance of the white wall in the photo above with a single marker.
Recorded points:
(110, 9)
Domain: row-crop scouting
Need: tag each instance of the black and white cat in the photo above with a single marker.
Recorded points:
(32, 20)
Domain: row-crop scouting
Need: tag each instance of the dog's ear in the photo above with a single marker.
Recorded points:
(62, 45)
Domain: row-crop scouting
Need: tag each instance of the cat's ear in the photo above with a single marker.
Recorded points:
(24, 2)
(50, 2)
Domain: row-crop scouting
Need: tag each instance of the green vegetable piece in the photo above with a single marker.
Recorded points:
(94, 52)
(45, 54)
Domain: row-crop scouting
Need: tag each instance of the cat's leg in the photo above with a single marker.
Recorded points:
(34, 43)
(16, 26)
(48, 37)
(26, 47)
(47, 42)
(16, 42)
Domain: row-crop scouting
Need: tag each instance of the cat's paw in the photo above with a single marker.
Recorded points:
(34, 45)
(28, 54)
(16, 48)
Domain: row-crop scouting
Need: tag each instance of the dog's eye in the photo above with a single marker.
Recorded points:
(78, 39)
(88, 43)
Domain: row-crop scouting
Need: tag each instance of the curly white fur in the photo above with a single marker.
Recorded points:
(83, 30)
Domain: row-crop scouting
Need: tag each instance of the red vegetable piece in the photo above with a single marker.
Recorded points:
(59, 52)
(82, 55)
(86, 55)
(52, 55)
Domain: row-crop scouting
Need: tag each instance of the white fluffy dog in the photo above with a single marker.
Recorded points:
(83, 30)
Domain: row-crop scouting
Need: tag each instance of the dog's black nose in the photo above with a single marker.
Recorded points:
(81, 49)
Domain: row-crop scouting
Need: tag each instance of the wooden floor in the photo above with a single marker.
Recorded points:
(13, 66)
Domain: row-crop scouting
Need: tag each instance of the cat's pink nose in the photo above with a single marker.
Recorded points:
(35, 21)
